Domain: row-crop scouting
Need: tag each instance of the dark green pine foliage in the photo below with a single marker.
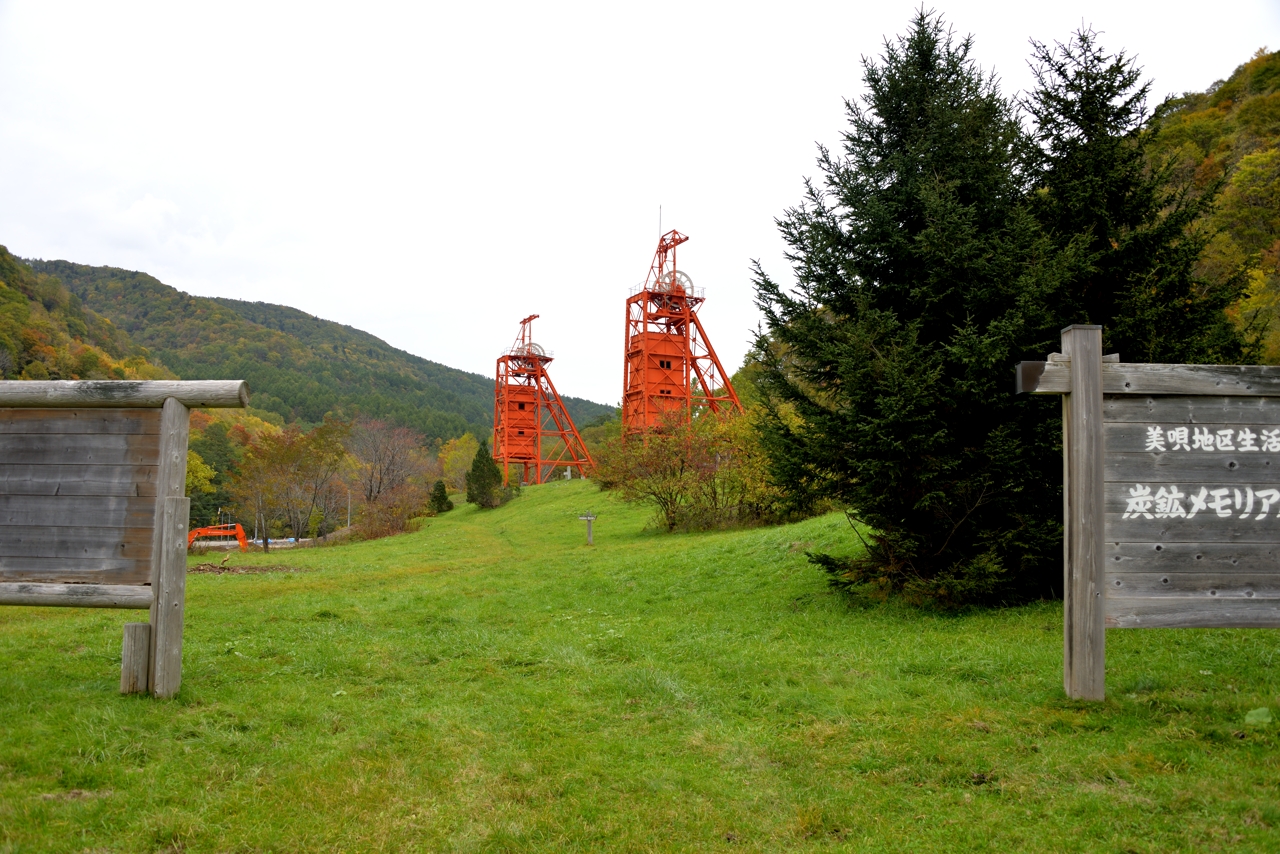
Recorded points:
(1130, 226)
(921, 278)
(484, 481)
(439, 501)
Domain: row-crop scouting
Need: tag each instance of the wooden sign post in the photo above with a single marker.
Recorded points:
(588, 517)
(1171, 497)
(93, 506)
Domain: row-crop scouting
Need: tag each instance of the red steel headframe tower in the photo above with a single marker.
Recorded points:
(527, 410)
(670, 365)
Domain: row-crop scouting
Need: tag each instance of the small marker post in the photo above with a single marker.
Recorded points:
(588, 517)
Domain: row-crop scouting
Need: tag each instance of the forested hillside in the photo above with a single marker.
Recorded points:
(297, 366)
(47, 333)
(1228, 136)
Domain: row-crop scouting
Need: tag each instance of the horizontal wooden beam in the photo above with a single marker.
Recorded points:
(124, 394)
(1191, 612)
(75, 595)
(1054, 377)
(1028, 378)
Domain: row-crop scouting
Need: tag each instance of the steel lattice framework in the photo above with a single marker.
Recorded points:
(527, 410)
(670, 365)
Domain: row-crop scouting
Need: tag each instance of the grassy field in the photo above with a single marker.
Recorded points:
(490, 683)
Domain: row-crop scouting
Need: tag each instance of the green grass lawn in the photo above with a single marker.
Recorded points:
(490, 683)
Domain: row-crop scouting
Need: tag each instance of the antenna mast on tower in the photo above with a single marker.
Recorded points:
(531, 427)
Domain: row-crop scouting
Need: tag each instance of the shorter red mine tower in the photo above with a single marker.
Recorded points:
(670, 365)
(531, 427)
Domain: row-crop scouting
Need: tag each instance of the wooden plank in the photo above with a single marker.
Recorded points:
(123, 393)
(18, 479)
(1192, 409)
(1084, 655)
(1215, 380)
(74, 511)
(84, 448)
(1135, 378)
(168, 605)
(1209, 558)
(1223, 468)
(63, 570)
(135, 658)
(1205, 527)
(75, 595)
(83, 543)
(1211, 586)
(169, 554)
(1171, 612)
(101, 421)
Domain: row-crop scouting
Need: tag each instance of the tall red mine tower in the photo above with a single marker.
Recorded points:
(531, 427)
(670, 365)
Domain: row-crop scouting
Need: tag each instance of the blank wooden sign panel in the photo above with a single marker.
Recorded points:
(1171, 496)
(92, 506)
(78, 494)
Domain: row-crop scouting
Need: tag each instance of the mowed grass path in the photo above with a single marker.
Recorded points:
(490, 683)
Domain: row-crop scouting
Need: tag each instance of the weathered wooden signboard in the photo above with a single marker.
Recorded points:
(93, 510)
(1171, 496)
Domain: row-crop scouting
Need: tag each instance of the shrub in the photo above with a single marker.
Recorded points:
(439, 501)
(484, 480)
(699, 475)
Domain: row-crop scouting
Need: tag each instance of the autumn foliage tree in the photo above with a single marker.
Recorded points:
(707, 473)
(456, 458)
(294, 479)
(391, 471)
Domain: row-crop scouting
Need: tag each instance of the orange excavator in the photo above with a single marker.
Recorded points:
(233, 529)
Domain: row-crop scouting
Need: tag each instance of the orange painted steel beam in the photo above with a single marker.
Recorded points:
(669, 364)
(527, 409)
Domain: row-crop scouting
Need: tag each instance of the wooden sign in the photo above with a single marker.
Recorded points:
(1171, 496)
(93, 510)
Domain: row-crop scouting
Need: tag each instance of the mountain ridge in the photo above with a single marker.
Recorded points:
(298, 365)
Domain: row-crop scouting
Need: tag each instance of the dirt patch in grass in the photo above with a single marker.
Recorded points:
(74, 795)
(216, 569)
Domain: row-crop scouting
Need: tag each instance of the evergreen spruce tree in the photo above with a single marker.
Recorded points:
(921, 278)
(484, 480)
(1130, 228)
(943, 246)
(439, 501)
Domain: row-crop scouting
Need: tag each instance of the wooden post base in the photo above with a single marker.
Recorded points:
(135, 658)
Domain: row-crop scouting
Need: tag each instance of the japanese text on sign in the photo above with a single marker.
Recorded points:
(1209, 439)
(1169, 502)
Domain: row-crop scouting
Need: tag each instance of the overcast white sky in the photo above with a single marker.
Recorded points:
(434, 172)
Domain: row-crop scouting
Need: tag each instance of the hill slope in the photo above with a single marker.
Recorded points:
(297, 365)
(47, 333)
(1231, 133)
